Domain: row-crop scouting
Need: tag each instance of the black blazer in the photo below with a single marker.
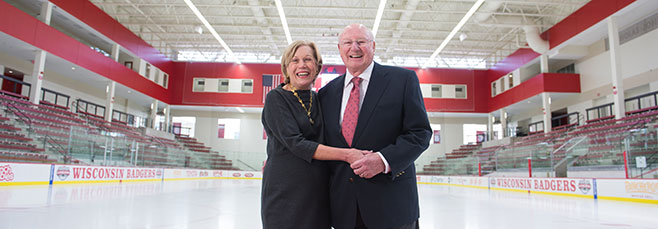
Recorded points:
(393, 121)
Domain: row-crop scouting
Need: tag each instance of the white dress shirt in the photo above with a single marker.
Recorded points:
(362, 94)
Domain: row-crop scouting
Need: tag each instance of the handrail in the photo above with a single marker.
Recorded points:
(130, 119)
(244, 163)
(567, 115)
(86, 107)
(57, 95)
(598, 111)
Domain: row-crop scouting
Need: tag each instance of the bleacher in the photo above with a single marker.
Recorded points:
(599, 142)
(52, 133)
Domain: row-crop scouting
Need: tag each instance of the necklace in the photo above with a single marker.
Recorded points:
(310, 105)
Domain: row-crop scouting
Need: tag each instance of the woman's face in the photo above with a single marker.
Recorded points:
(302, 68)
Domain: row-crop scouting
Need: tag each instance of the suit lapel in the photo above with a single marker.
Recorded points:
(378, 82)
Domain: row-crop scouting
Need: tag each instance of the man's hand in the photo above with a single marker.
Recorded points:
(356, 154)
(368, 166)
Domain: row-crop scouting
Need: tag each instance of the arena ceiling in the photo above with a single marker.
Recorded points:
(408, 34)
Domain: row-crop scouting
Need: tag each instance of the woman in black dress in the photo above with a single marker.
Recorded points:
(295, 178)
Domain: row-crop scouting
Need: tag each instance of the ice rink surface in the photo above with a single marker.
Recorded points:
(233, 203)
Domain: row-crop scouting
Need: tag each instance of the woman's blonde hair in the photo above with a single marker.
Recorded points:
(289, 53)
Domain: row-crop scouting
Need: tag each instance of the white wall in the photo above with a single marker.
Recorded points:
(637, 57)
(250, 148)
(76, 89)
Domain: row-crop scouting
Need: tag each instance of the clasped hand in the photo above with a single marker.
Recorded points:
(365, 163)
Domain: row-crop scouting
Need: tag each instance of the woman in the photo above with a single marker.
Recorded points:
(295, 179)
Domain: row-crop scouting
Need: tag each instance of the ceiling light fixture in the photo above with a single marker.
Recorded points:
(462, 37)
(284, 22)
(239, 109)
(454, 31)
(212, 30)
(378, 18)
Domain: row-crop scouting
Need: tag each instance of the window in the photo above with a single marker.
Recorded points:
(436, 91)
(497, 131)
(436, 134)
(165, 80)
(223, 85)
(199, 84)
(510, 77)
(228, 128)
(493, 88)
(474, 133)
(247, 86)
(147, 74)
(460, 91)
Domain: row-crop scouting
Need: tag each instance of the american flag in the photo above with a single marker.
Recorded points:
(270, 82)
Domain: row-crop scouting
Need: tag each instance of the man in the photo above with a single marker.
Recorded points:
(382, 110)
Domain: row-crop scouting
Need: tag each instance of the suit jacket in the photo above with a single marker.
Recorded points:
(392, 120)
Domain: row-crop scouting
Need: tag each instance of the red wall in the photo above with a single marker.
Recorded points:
(546, 82)
(96, 18)
(186, 72)
(32, 31)
(585, 17)
(183, 94)
(476, 94)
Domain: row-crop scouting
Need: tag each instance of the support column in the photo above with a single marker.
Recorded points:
(490, 127)
(141, 67)
(115, 52)
(154, 113)
(109, 100)
(546, 108)
(37, 76)
(46, 12)
(167, 112)
(615, 65)
(543, 59)
(2, 72)
(503, 122)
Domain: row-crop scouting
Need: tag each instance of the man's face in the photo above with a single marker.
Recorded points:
(356, 49)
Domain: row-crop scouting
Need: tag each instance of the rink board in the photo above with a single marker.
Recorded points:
(636, 190)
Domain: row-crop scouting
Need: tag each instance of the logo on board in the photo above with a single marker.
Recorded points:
(585, 185)
(6, 174)
(63, 172)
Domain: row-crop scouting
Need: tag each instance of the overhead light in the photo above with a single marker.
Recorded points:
(550, 100)
(198, 29)
(454, 31)
(239, 109)
(212, 30)
(72, 68)
(107, 89)
(378, 18)
(462, 37)
(10, 71)
(284, 22)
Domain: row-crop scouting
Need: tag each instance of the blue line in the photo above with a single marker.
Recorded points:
(52, 173)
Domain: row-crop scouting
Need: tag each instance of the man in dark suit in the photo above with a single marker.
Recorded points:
(378, 108)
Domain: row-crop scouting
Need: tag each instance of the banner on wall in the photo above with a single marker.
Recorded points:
(24, 173)
(555, 185)
(221, 128)
(75, 173)
(481, 136)
(437, 136)
(632, 188)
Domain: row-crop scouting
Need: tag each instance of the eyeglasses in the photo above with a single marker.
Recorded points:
(359, 43)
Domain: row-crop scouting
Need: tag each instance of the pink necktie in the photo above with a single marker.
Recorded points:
(351, 111)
